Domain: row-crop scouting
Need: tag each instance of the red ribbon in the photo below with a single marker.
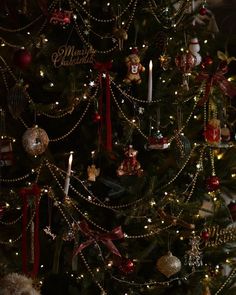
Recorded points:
(25, 193)
(105, 238)
(219, 79)
(105, 68)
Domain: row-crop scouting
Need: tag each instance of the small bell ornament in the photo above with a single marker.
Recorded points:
(169, 265)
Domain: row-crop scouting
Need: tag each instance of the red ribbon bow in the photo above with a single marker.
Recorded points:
(105, 238)
(105, 68)
(219, 79)
(25, 193)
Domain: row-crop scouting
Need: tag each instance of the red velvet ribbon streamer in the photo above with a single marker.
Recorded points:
(25, 193)
(104, 68)
(219, 79)
(105, 238)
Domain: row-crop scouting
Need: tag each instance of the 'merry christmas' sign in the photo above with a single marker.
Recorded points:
(68, 55)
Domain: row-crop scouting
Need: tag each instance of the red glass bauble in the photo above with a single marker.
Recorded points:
(206, 62)
(203, 10)
(96, 117)
(22, 58)
(126, 266)
(212, 183)
(185, 62)
(232, 210)
(205, 235)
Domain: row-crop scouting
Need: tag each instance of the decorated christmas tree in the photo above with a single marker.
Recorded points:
(117, 147)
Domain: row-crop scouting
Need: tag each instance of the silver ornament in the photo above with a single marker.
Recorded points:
(168, 264)
(35, 141)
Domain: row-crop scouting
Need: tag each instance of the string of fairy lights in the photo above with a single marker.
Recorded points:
(90, 197)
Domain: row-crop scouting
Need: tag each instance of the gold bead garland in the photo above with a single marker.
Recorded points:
(232, 274)
(106, 20)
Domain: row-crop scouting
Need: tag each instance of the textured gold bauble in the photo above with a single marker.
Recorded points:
(168, 264)
(35, 141)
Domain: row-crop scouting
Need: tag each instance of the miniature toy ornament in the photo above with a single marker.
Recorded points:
(157, 142)
(93, 172)
(194, 48)
(130, 166)
(212, 132)
(134, 68)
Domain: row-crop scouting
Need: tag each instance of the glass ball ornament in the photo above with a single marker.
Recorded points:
(35, 141)
(205, 235)
(185, 62)
(212, 183)
(168, 264)
(126, 266)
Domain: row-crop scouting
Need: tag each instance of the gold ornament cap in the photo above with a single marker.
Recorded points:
(168, 264)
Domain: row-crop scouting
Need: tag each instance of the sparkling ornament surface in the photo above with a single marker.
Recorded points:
(193, 257)
(35, 141)
(126, 266)
(212, 183)
(168, 264)
(185, 62)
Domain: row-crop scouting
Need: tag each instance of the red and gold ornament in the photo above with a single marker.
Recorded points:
(212, 183)
(185, 62)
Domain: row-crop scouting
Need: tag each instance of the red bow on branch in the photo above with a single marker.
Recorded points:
(33, 191)
(218, 79)
(105, 238)
(105, 68)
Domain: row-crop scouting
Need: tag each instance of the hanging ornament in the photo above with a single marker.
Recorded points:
(194, 48)
(212, 183)
(207, 61)
(35, 141)
(203, 10)
(130, 166)
(232, 210)
(193, 256)
(134, 68)
(16, 100)
(212, 132)
(205, 235)
(157, 142)
(93, 172)
(126, 266)
(96, 117)
(225, 134)
(61, 17)
(168, 264)
(22, 59)
(185, 62)
(165, 61)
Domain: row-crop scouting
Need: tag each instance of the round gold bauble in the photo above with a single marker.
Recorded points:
(168, 264)
(35, 141)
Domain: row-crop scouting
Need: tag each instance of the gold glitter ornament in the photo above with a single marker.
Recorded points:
(35, 141)
(168, 264)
